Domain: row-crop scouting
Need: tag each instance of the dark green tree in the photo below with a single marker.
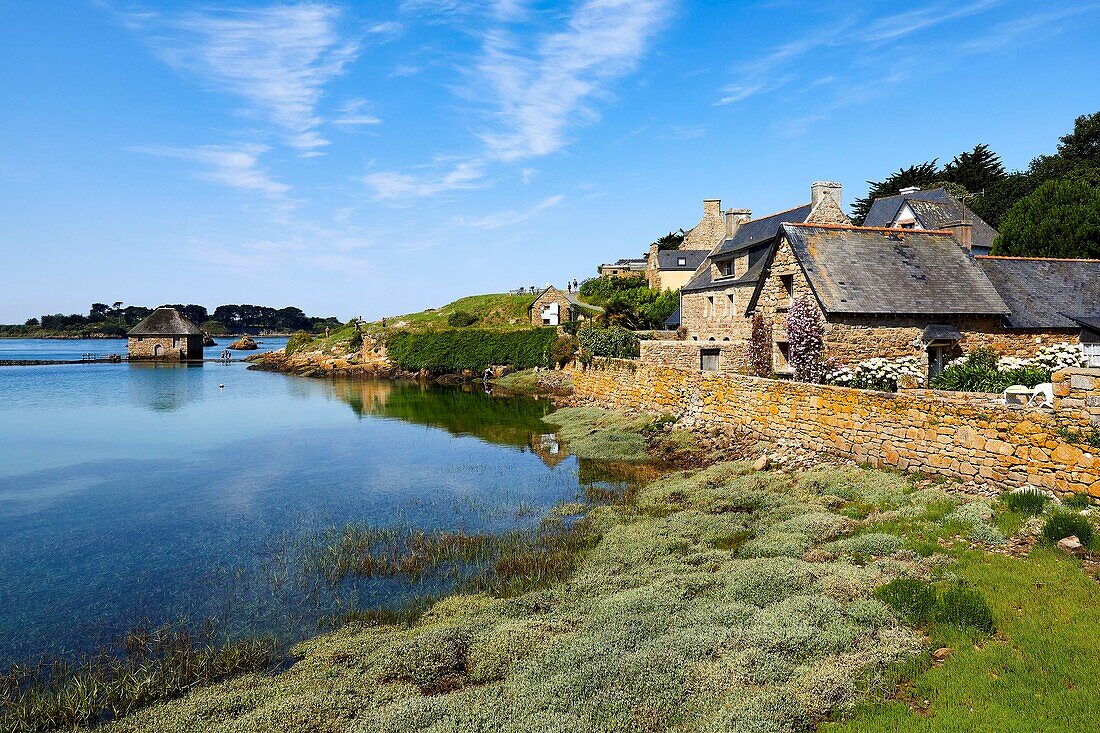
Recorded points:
(1079, 149)
(976, 170)
(672, 240)
(1060, 218)
(921, 175)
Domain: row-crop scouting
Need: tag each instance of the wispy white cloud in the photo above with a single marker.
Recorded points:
(1029, 27)
(387, 29)
(542, 88)
(779, 67)
(354, 114)
(278, 59)
(534, 88)
(236, 167)
(507, 218)
(393, 185)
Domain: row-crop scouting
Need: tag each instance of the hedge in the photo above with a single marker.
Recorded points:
(615, 342)
(443, 352)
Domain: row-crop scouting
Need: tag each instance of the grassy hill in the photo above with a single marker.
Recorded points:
(494, 311)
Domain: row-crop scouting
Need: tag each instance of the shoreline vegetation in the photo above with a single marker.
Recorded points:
(114, 320)
(713, 598)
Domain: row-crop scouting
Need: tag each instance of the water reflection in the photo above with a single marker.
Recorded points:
(164, 386)
(514, 421)
(147, 491)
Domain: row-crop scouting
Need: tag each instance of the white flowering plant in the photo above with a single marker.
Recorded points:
(878, 373)
(983, 371)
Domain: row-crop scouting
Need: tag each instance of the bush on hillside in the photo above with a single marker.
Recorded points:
(629, 301)
(297, 341)
(461, 319)
(1062, 524)
(443, 352)
(356, 341)
(614, 342)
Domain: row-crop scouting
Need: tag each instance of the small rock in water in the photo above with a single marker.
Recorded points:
(1071, 545)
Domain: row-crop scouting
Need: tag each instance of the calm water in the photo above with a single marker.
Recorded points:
(146, 492)
(62, 349)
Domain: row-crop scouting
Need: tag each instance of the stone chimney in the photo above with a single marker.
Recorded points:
(712, 208)
(821, 189)
(963, 232)
(734, 219)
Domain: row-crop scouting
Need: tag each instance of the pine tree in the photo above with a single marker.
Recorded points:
(920, 175)
(976, 170)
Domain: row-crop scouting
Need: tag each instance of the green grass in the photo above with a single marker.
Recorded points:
(498, 311)
(529, 381)
(1037, 674)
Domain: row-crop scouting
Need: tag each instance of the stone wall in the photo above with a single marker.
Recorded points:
(173, 348)
(686, 354)
(962, 437)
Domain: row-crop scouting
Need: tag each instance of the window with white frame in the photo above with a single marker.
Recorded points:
(1092, 353)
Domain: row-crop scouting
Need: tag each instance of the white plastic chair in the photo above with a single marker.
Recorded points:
(1019, 392)
(1046, 392)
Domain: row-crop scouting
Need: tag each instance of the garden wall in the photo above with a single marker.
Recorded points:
(914, 430)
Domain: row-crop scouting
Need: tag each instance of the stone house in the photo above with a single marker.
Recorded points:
(623, 268)
(165, 335)
(881, 292)
(671, 269)
(898, 291)
(933, 209)
(553, 307)
(714, 303)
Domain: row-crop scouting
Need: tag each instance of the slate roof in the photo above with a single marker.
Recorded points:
(885, 208)
(165, 322)
(668, 259)
(760, 230)
(1039, 292)
(673, 321)
(862, 270)
(1091, 323)
(933, 209)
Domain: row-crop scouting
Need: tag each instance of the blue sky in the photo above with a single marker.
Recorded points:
(373, 158)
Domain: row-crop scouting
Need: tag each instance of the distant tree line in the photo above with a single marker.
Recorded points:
(1051, 209)
(117, 318)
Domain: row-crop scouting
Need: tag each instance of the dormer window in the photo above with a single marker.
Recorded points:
(681, 261)
(726, 268)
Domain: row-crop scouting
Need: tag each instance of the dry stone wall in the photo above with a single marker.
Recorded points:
(962, 437)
